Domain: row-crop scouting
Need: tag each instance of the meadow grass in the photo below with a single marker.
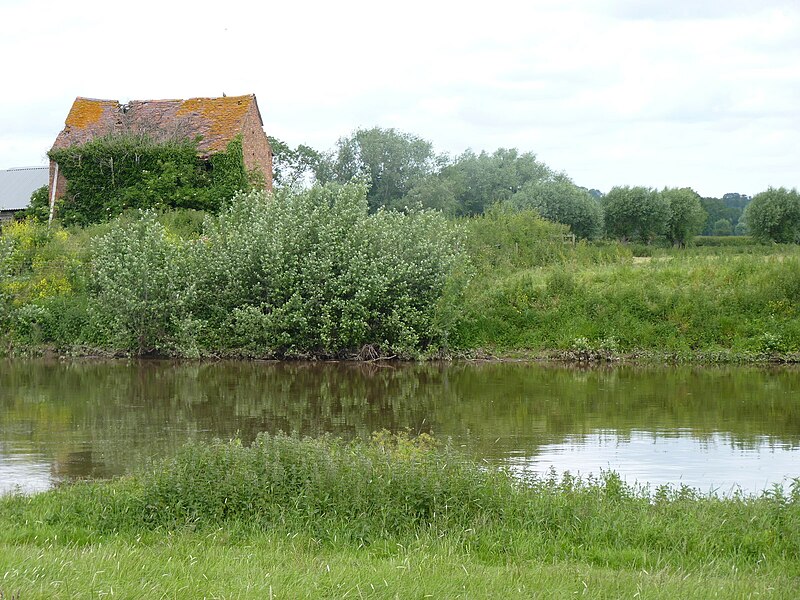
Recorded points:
(212, 565)
(394, 517)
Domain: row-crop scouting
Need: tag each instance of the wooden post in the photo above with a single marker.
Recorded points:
(53, 186)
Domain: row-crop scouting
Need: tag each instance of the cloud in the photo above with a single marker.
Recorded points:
(613, 93)
(691, 9)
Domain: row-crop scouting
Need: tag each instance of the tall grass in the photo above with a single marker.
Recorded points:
(399, 488)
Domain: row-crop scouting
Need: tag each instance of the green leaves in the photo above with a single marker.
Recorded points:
(562, 202)
(392, 161)
(686, 214)
(141, 285)
(774, 216)
(278, 275)
(315, 273)
(635, 213)
(119, 172)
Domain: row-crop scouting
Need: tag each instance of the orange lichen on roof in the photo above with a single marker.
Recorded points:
(224, 116)
(86, 111)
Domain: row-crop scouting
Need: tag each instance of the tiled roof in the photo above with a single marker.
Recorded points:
(216, 121)
(17, 185)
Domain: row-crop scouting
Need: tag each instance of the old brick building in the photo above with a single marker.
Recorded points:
(214, 121)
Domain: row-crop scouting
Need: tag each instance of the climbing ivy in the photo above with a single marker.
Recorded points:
(114, 173)
(228, 172)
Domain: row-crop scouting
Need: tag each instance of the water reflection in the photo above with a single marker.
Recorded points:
(712, 464)
(90, 419)
(24, 472)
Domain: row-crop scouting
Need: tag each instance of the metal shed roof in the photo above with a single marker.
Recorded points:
(17, 185)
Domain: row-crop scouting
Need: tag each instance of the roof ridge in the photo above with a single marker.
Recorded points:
(96, 99)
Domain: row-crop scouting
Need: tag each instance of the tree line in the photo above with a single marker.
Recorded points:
(403, 171)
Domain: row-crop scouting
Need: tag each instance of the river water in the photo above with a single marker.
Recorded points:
(715, 429)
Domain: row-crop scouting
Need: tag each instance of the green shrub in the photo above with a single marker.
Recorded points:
(503, 240)
(315, 273)
(140, 284)
(726, 240)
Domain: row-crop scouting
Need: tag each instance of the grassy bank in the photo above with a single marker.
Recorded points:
(533, 292)
(734, 306)
(392, 517)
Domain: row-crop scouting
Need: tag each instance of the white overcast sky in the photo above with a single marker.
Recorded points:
(695, 93)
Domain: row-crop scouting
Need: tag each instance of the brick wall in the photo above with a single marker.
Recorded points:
(257, 152)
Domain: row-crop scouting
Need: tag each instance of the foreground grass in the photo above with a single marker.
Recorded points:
(396, 517)
(215, 565)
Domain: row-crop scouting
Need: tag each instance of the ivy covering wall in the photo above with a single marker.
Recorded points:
(118, 172)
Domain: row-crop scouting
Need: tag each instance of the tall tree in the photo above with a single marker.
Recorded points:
(735, 200)
(391, 161)
(686, 214)
(717, 210)
(480, 180)
(296, 168)
(434, 192)
(635, 213)
(774, 215)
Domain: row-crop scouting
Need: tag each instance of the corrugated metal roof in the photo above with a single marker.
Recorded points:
(17, 185)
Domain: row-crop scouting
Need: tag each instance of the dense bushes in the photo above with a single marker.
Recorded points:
(505, 240)
(38, 265)
(286, 275)
(315, 274)
(142, 284)
(724, 240)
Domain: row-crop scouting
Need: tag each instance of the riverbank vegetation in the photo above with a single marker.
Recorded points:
(398, 252)
(388, 515)
(315, 274)
(596, 301)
